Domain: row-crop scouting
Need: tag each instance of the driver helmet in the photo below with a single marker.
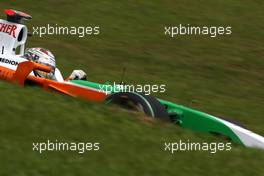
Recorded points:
(44, 57)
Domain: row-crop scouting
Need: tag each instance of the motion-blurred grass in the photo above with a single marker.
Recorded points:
(224, 75)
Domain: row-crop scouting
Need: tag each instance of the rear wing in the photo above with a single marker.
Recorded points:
(15, 16)
(13, 32)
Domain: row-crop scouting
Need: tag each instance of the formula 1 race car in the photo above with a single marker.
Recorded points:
(16, 69)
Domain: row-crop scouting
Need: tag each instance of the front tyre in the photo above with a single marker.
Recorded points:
(139, 102)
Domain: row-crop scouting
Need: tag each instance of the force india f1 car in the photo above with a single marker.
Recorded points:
(16, 69)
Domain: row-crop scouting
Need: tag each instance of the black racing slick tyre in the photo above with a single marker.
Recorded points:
(139, 102)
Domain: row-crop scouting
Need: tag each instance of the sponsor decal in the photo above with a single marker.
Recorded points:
(7, 61)
(9, 29)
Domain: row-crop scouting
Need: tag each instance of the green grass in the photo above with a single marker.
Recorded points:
(224, 75)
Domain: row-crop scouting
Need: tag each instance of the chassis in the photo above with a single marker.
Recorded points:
(14, 68)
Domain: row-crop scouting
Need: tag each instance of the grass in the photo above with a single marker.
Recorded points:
(224, 75)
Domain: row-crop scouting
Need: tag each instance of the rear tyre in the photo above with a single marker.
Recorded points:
(139, 102)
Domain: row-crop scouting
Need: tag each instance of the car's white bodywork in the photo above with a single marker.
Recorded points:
(13, 38)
